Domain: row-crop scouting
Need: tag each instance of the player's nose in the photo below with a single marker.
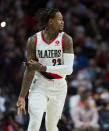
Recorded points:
(62, 22)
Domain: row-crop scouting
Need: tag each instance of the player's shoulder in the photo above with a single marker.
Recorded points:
(67, 43)
(67, 40)
(31, 41)
(31, 38)
(67, 37)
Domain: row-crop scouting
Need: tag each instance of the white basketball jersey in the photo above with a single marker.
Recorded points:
(49, 54)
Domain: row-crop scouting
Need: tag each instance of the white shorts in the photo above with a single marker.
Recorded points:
(46, 96)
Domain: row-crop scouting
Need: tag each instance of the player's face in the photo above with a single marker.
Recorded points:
(58, 23)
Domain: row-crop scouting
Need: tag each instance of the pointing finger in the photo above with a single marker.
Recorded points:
(19, 110)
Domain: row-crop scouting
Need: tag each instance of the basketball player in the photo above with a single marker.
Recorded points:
(44, 78)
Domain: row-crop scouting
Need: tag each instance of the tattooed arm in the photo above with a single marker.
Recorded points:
(28, 75)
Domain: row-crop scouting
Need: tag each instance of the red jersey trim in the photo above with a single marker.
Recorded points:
(54, 75)
(45, 40)
(62, 40)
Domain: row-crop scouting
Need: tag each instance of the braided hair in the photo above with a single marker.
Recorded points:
(44, 14)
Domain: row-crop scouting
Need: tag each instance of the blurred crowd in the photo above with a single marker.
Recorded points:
(87, 21)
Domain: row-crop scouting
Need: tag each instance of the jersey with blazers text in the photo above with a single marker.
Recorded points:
(49, 54)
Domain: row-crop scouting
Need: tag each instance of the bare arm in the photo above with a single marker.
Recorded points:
(28, 76)
(29, 73)
(68, 44)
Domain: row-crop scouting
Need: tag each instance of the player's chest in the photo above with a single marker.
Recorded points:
(49, 51)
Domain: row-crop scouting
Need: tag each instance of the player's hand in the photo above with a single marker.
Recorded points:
(33, 65)
(21, 106)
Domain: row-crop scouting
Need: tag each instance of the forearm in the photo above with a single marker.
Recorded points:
(60, 69)
(65, 69)
(27, 80)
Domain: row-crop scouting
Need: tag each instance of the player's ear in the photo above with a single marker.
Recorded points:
(50, 21)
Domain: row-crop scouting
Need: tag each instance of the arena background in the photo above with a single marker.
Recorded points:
(87, 21)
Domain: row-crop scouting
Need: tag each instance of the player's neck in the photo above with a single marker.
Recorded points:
(49, 33)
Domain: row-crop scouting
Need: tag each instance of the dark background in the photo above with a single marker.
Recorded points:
(87, 21)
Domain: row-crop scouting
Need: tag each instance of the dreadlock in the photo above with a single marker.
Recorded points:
(44, 14)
